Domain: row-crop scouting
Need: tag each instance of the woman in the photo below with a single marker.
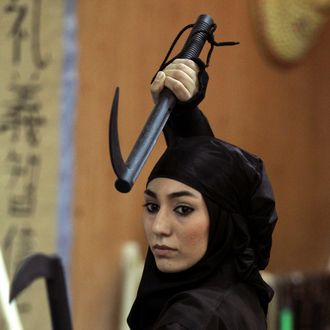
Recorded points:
(209, 214)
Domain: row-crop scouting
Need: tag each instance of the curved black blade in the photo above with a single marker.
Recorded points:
(49, 267)
(123, 183)
(33, 267)
(117, 161)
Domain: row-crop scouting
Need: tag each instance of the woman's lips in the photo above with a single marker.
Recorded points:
(163, 250)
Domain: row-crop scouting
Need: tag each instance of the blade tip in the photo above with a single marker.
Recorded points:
(123, 186)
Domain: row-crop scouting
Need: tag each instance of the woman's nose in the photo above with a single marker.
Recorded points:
(161, 224)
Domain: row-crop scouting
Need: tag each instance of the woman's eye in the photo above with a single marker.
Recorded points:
(183, 210)
(151, 207)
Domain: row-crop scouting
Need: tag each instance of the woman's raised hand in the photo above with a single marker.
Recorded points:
(180, 76)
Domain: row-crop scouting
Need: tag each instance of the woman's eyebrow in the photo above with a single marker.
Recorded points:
(181, 194)
(172, 195)
(150, 193)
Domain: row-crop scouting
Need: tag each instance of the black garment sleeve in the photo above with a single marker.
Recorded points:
(186, 119)
(185, 123)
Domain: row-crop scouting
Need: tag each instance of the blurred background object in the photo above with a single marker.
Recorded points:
(289, 29)
(10, 316)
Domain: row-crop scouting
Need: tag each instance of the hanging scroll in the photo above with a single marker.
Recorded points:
(30, 111)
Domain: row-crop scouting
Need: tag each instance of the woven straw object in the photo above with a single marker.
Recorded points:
(288, 29)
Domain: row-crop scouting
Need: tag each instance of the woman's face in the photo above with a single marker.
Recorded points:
(176, 223)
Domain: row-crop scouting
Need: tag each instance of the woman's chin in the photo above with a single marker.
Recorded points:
(168, 266)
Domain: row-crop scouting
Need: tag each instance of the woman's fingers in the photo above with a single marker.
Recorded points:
(181, 77)
(179, 88)
(188, 66)
(157, 85)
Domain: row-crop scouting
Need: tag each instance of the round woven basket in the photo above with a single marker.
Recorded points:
(288, 29)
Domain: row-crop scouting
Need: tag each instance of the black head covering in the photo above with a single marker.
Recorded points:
(242, 216)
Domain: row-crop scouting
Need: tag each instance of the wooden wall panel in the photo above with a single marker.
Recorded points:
(280, 114)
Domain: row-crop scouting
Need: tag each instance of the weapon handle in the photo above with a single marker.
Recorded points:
(197, 37)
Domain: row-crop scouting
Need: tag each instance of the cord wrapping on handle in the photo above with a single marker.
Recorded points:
(210, 39)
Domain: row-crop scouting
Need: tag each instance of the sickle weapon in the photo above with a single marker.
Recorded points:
(50, 267)
(128, 172)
